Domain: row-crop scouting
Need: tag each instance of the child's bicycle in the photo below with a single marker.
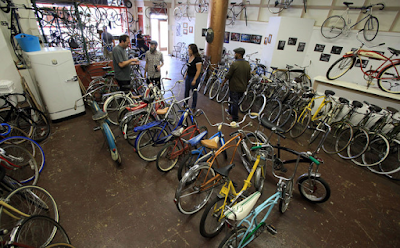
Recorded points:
(249, 227)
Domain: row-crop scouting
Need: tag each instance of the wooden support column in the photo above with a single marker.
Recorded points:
(216, 20)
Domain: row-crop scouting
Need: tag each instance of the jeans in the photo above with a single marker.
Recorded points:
(234, 107)
(188, 87)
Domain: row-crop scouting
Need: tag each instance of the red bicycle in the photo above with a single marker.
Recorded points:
(387, 74)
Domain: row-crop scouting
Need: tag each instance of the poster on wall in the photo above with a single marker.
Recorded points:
(245, 38)
(269, 38)
(178, 29)
(325, 57)
(319, 48)
(256, 39)
(226, 37)
(281, 44)
(235, 36)
(203, 32)
(185, 25)
(191, 29)
(265, 40)
(301, 46)
(185, 31)
(364, 63)
(292, 41)
(336, 50)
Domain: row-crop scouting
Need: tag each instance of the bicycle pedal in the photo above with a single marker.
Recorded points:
(96, 128)
(271, 229)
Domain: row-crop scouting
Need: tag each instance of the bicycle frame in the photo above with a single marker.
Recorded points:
(308, 108)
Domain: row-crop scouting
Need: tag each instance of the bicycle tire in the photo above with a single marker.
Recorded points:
(301, 124)
(390, 167)
(215, 87)
(305, 81)
(371, 28)
(377, 151)
(211, 223)
(34, 122)
(343, 64)
(177, 14)
(114, 104)
(338, 138)
(308, 192)
(60, 245)
(210, 80)
(275, 7)
(287, 194)
(31, 200)
(386, 84)
(142, 144)
(40, 231)
(358, 145)
(258, 104)
(223, 93)
(135, 121)
(163, 162)
(245, 149)
(316, 132)
(272, 110)
(287, 119)
(259, 177)
(187, 162)
(188, 204)
(333, 26)
(247, 102)
(233, 237)
(148, 12)
(280, 74)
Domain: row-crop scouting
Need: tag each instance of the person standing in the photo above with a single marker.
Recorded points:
(121, 62)
(108, 43)
(140, 43)
(238, 76)
(154, 62)
(192, 74)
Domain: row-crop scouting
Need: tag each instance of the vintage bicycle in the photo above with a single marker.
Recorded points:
(232, 14)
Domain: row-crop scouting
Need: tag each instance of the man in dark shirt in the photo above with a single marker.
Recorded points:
(140, 43)
(238, 76)
(121, 62)
(108, 43)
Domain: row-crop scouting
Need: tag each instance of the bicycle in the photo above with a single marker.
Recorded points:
(249, 226)
(276, 6)
(335, 25)
(201, 6)
(289, 75)
(256, 66)
(182, 11)
(387, 74)
(159, 8)
(232, 15)
(101, 118)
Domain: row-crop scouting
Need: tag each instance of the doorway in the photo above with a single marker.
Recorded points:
(159, 31)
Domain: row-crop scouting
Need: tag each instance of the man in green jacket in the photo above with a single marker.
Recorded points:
(238, 76)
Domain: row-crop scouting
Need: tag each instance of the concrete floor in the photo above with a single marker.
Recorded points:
(132, 206)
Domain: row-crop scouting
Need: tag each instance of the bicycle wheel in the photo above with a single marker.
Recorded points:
(22, 167)
(229, 17)
(31, 200)
(391, 165)
(316, 132)
(215, 87)
(377, 151)
(371, 28)
(287, 193)
(233, 238)
(177, 14)
(287, 119)
(148, 12)
(305, 81)
(276, 7)
(146, 143)
(114, 104)
(208, 84)
(248, 100)
(301, 124)
(187, 162)
(338, 138)
(259, 176)
(247, 155)
(133, 121)
(389, 79)
(340, 67)
(333, 27)
(190, 195)
(167, 158)
(200, 6)
(314, 189)
(358, 145)
(40, 231)
(212, 221)
(258, 104)
(281, 75)
(223, 93)
(272, 110)
(184, 69)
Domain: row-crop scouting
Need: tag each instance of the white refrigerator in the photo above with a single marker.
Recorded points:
(57, 81)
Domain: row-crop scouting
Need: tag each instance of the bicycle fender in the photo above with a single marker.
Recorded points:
(128, 115)
(147, 126)
(313, 174)
(110, 141)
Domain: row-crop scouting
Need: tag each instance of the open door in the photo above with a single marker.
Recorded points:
(159, 32)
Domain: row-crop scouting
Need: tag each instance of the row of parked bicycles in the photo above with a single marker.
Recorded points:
(29, 215)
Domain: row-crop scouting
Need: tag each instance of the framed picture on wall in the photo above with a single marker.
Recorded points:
(191, 29)
(269, 38)
(364, 63)
(336, 50)
(292, 41)
(256, 39)
(245, 38)
(324, 57)
(301, 46)
(203, 32)
(319, 48)
(235, 36)
(185, 31)
(281, 44)
(226, 37)
(265, 40)
(185, 25)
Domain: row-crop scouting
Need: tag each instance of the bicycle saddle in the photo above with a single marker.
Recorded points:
(329, 93)
(394, 51)
(148, 100)
(375, 108)
(392, 110)
(289, 67)
(177, 132)
(224, 171)
(243, 208)
(196, 140)
(162, 111)
(233, 3)
(99, 115)
(343, 100)
(357, 104)
(210, 143)
(308, 95)
(274, 68)
(106, 68)
(270, 125)
(348, 3)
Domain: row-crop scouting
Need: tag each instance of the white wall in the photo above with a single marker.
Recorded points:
(200, 23)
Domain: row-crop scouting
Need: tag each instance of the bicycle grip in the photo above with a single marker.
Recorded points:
(314, 160)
